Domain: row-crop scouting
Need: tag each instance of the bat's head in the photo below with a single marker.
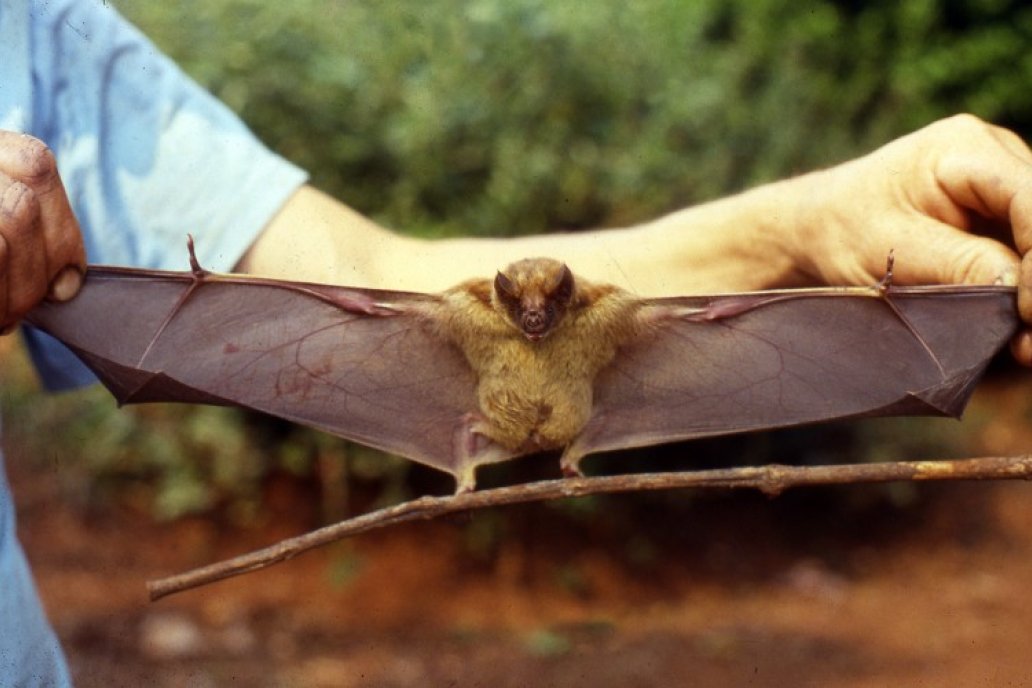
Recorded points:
(534, 295)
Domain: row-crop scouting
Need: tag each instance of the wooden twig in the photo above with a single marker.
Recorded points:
(771, 479)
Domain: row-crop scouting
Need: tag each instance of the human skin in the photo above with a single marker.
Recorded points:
(920, 196)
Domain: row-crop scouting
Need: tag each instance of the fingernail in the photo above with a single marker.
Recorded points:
(66, 284)
(1007, 278)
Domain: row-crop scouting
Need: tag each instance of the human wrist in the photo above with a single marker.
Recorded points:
(810, 220)
(748, 241)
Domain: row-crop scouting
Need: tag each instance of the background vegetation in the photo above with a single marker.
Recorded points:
(505, 117)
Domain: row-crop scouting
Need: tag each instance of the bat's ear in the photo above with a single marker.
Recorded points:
(562, 292)
(504, 286)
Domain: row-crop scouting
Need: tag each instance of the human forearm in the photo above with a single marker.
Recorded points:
(736, 243)
(732, 244)
(918, 196)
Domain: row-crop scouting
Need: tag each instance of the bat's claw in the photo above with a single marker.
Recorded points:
(473, 448)
(886, 281)
(571, 471)
(462, 487)
(569, 463)
(195, 265)
(466, 479)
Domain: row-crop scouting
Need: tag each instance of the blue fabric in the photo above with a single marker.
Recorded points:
(29, 653)
(146, 157)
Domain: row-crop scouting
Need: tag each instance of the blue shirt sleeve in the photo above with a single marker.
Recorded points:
(146, 155)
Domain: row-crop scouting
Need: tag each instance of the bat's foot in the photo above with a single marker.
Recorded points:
(571, 471)
(569, 464)
(466, 481)
(474, 447)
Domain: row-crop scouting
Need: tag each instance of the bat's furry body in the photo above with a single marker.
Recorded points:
(536, 393)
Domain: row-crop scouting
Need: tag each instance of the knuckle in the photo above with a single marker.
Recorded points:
(961, 125)
(19, 207)
(35, 163)
(966, 119)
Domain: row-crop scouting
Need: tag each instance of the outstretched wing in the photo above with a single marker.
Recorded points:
(367, 365)
(721, 365)
(362, 364)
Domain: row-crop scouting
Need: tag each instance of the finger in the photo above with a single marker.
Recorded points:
(1025, 289)
(1012, 142)
(994, 186)
(1021, 347)
(30, 162)
(931, 252)
(65, 284)
(25, 269)
(988, 184)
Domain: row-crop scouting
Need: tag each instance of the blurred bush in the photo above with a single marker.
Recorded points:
(516, 116)
(505, 117)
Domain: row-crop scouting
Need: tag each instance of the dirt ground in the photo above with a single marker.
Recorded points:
(746, 592)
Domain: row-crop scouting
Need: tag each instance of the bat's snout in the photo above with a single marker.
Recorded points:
(535, 324)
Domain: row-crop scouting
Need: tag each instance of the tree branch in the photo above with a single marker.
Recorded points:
(772, 480)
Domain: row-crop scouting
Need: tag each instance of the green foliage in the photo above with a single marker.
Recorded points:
(508, 117)
(515, 116)
(188, 458)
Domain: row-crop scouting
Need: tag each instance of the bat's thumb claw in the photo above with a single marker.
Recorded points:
(66, 284)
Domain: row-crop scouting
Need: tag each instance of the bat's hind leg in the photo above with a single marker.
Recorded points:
(473, 448)
(569, 462)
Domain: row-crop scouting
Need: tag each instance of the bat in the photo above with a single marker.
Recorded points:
(535, 359)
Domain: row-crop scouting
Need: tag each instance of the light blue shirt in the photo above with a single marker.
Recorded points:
(146, 157)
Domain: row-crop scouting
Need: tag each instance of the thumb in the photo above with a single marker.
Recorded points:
(66, 284)
(937, 253)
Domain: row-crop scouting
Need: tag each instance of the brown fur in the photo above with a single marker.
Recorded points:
(537, 394)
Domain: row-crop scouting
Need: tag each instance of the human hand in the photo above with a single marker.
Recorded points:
(921, 196)
(41, 249)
